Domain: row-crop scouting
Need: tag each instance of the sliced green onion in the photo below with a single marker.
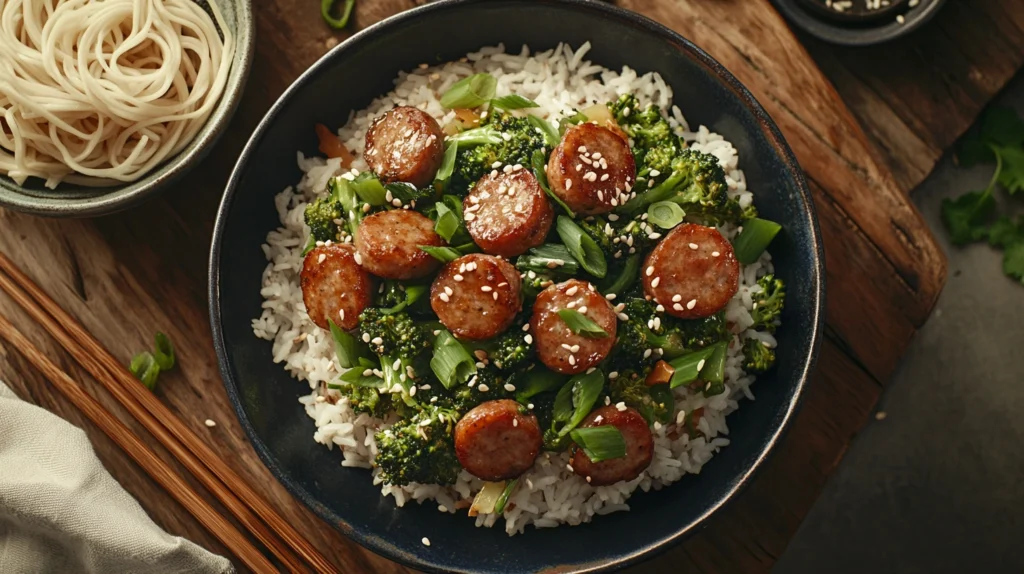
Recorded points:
(603, 442)
(145, 369)
(451, 363)
(342, 190)
(713, 372)
(447, 222)
(402, 191)
(357, 376)
(444, 173)
(538, 163)
(665, 214)
(662, 396)
(499, 505)
(561, 410)
(549, 258)
(754, 239)
(476, 136)
(471, 92)
(586, 388)
(537, 381)
(574, 119)
(393, 376)
(661, 192)
(513, 102)
(413, 293)
(442, 254)
(337, 23)
(688, 367)
(347, 348)
(551, 137)
(582, 247)
(370, 189)
(581, 324)
(163, 352)
(310, 245)
(624, 280)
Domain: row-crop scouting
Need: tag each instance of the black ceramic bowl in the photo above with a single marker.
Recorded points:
(363, 67)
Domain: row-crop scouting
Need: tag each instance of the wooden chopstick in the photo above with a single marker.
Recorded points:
(157, 469)
(185, 445)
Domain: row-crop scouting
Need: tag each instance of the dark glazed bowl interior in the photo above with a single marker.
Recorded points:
(265, 397)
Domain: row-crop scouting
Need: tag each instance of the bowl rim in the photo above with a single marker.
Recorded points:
(621, 15)
(125, 195)
(853, 36)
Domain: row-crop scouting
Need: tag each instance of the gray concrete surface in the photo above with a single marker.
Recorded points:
(938, 484)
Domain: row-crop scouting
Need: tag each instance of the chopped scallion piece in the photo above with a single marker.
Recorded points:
(538, 164)
(688, 367)
(603, 442)
(536, 381)
(624, 280)
(413, 293)
(665, 214)
(574, 119)
(442, 254)
(754, 239)
(499, 505)
(713, 372)
(447, 223)
(549, 258)
(444, 173)
(163, 352)
(356, 375)
(145, 369)
(476, 136)
(471, 92)
(581, 324)
(582, 247)
(370, 189)
(310, 245)
(584, 390)
(513, 102)
(451, 362)
(337, 23)
(347, 348)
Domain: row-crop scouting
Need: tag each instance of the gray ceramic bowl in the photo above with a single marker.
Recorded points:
(79, 201)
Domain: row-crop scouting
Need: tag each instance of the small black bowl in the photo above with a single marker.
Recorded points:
(810, 16)
(347, 78)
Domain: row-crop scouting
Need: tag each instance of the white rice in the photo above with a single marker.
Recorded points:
(560, 81)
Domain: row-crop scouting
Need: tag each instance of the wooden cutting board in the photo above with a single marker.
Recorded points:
(128, 275)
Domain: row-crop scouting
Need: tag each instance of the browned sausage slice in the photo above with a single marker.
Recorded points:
(557, 346)
(639, 447)
(495, 441)
(405, 144)
(692, 272)
(592, 170)
(389, 244)
(476, 296)
(508, 213)
(334, 286)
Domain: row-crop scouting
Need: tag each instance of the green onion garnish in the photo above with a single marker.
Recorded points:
(357, 375)
(513, 102)
(342, 190)
(447, 223)
(346, 13)
(442, 254)
(624, 280)
(145, 369)
(347, 348)
(549, 258)
(688, 367)
(713, 372)
(476, 136)
(581, 324)
(665, 214)
(163, 352)
(574, 119)
(370, 189)
(661, 192)
(586, 388)
(561, 410)
(538, 163)
(582, 247)
(537, 381)
(310, 245)
(754, 239)
(600, 443)
(444, 173)
(451, 362)
(499, 505)
(413, 293)
(471, 92)
(551, 137)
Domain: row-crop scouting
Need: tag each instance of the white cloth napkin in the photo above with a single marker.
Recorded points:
(60, 511)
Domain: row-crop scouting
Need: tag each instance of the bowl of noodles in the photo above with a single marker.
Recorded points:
(86, 132)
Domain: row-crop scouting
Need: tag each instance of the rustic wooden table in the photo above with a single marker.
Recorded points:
(128, 275)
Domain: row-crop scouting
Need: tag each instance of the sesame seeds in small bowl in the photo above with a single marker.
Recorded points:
(858, 22)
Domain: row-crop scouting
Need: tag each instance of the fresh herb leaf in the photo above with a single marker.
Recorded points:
(337, 23)
(665, 214)
(1002, 126)
(754, 239)
(442, 254)
(586, 388)
(582, 247)
(551, 137)
(370, 189)
(581, 324)
(688, 367)
(1013, 261)
(451, 363)
(145, 369)
(347, 348)
(447, 223)
(310, 245)
(362, 375)
(966, 215)
(163, 352)
(561, 410)
(471, 92)
(513, 102)
(538, 380)
(972, 151)
(1011, 176)
(603, 442)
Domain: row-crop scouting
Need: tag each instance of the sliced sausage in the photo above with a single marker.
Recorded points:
(476, 296)
(334, 286)
(557, 346)
(495, 441)
(405, 144)
(508, 213)
(639, 447)
(389, 244)
(692, 272)
(592, 170)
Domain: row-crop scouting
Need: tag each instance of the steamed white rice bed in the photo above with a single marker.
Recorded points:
(560, 81)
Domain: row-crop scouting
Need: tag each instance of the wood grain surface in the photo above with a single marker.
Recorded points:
(128, 275)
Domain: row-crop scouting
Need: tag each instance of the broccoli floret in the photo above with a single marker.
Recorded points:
(509, 350)
(420, 449)
(486, 385)
(646, 127)
(757, 358)
(367, 400)
(394, 334)
(768, 303)
(473, 161)
(647, 329)
(620, 238)
(321, 215)
(631, 388)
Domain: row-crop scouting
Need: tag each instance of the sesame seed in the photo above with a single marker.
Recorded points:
(655, 281)
(694, 246)
(647, 353)
(677, 298)
(604, 177)
(442, 508)
(437, 332)
(691, 304)
(486, 288)
(483, 388)
(448, 291)
(496, 165)
(680, 417)
(650, 271)
(210, 423)
(469, 216)
(715, 254)
(655, 173)
(579, 166)
(588, 479)
(568, 184)
(412, 391)
(880, 415)
(583, 309)
(569, 466)
(591, 370)
(397, 202)
(613, 375)
(515, 422)
(341, 313)
(358, 258)
(654, 236)
(623, 317)
(397, 364)
(618, 308)
(526, 326)
(582, 149)
(610, 296)
(607, 401)
(366, 208)
(366, 337)
(620, 406)
(528, 338)
(567, 346)
(660, 308)
(700, 364)
(388, 196)
(510, 387)
(458, 277)
(377, 341)
(574, 349)
(426, 541)
(598, 418)
(900, 19)
(677, 306)
(572, 360)
(572, 290)
(443, 297)
(529, 407)
(321, 258)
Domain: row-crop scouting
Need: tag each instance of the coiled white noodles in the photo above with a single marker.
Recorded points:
(96, 92)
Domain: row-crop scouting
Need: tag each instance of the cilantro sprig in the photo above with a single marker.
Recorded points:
(975, 215)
